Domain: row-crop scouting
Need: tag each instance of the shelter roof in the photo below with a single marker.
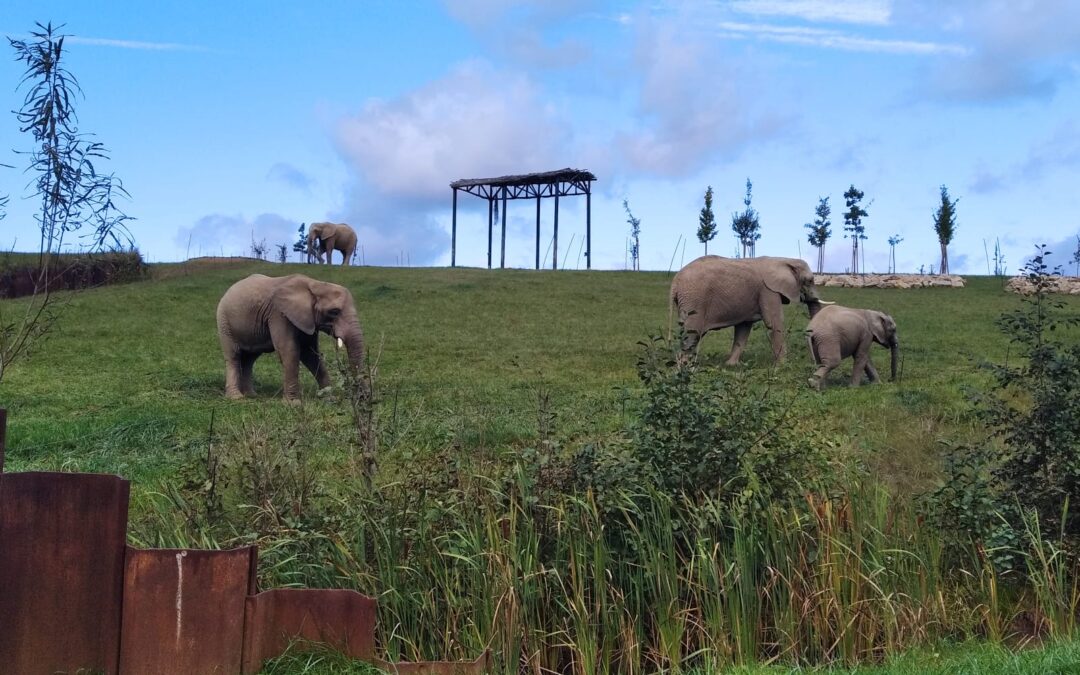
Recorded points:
(562, 175)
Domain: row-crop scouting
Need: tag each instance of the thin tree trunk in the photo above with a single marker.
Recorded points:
(944, 268)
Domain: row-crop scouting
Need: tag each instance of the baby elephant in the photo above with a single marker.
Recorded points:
(837, 332)
(261, 314)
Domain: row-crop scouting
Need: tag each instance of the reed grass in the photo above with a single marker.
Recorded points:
(638, 587)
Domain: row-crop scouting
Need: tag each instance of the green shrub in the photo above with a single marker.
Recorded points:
(722, 434)
(1030, 461)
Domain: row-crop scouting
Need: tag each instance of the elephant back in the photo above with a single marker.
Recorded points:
(720, 290)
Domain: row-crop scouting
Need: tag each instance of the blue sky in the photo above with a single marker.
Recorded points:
(228, 120)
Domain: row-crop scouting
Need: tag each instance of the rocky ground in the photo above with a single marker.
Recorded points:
(1022, 285)
(889, 280)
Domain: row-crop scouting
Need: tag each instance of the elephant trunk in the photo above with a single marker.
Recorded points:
(894, 359)
(353, 337)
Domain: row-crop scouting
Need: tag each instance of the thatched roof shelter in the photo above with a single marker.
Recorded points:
(561, 183)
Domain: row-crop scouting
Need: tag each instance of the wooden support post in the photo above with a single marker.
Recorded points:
(538, 230)
(3, 436)
(453, 233)
(588, 225)
(502, 250)
(555, 247)
(491, 205)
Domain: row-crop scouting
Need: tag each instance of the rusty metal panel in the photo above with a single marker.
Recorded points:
(3, 436)
(342, 619)
(478, 667)
(62, 539)
(184, 610)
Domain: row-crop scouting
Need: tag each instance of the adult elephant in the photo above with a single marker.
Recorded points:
(713, 292)
(836, 332)
(261, 314)
(330, 237)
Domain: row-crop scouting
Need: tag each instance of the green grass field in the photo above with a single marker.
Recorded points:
(133, 372)
(471, 364)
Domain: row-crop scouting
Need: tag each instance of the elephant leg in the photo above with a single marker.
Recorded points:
(313, 361)
(691, 329)
(871, 372)
(691, 338)
(232, 376)
(772, 314)
(738, 343)
(828, 357)
(247, 362)
(862, 362)
(284, 337)
(329, 246)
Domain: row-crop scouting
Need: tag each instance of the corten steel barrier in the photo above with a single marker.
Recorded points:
(185, 608)
(62, 540)
(75, 597)
(344, 620)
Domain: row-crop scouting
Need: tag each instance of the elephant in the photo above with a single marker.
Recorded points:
(261, 314)
(838, 332)
(713, 292)
(330, 237)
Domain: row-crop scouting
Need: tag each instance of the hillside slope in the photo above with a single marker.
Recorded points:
(130, 379)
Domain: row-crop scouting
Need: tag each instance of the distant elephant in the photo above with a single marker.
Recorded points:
(261, 314)
(713, 292)
(330, 237)
(836, 333)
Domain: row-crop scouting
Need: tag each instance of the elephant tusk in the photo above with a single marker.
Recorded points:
(340, 343)
(825, 302)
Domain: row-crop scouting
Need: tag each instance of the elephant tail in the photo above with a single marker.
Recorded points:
(810, 343)
(673, 300)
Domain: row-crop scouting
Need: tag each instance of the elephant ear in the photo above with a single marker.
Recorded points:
(879, 327)
(297, 303)
(779, 277)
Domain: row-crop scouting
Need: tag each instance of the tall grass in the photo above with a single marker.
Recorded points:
(634, 586)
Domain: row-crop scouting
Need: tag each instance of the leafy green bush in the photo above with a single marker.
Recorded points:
(713, 433)
(1030, 460)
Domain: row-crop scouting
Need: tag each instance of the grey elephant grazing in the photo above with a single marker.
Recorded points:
(713, 292)
(330, 237)
(261, 314)
(836, 332)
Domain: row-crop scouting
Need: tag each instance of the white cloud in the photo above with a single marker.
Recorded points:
(519, 29)
(1018, 49)
(692, 106)
(291, 176)
(873, 12)
(831, 39)
(219, 234)
(1058, 151)
(132, 44)
(475, 122)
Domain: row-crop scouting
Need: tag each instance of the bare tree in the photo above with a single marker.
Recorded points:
(73, 193)
(635, 232)
(893, 241)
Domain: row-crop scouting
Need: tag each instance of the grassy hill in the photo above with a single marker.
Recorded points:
(478, 371)
(132, 374)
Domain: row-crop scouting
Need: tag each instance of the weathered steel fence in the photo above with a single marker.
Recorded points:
(75, 597)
